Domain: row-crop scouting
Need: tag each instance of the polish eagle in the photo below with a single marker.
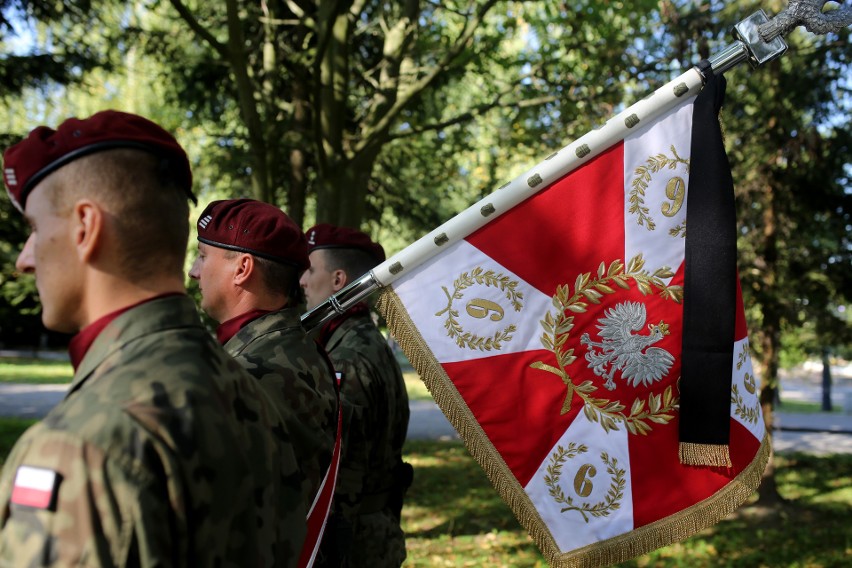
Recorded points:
(621, 349)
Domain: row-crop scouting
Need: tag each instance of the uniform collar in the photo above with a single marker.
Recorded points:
(229, 329)
(80, 343)
(328, 329)
(174, 311)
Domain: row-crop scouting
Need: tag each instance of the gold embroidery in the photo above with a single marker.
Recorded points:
(743, 356)
(557, 327)
(679, 231)
(583, 484)
(749, 383)
(749, 414)
(642, 177)
(582, 480)
(676, 191)
(619, 548)
(480, 308)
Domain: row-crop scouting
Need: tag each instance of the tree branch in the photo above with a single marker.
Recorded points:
(187, 16)
(380, 124)
(470, 114)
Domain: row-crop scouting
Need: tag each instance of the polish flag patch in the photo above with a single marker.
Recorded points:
(35, 487)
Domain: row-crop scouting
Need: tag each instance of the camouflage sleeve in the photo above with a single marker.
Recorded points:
(354, 456)
(63, 503)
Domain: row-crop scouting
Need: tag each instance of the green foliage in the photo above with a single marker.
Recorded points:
(787, 128)
(399, 116)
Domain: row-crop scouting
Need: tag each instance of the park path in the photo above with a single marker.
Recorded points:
(818, 433)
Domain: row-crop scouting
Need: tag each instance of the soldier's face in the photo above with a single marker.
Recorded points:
(318, 281)
(51, 256)
(214, 272)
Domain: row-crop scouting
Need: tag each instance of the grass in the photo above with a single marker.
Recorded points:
(416, 388)
(803, 407)
(10, 430)
(454, 518)
(35, 371)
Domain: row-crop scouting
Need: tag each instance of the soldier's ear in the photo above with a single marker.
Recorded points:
(338, 280)
(243, 268)
(87, 225)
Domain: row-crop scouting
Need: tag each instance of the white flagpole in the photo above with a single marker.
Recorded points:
(749, 45)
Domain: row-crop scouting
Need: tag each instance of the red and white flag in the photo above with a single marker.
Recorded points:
(35, 487)
(553, 340)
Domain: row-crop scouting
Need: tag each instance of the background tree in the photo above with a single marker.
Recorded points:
(787, 129)
(322, 88)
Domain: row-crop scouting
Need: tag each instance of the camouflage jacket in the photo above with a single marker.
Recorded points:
(296, 373)
(165, 453)
(376, 410)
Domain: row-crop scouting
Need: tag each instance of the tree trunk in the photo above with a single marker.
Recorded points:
(298, 187)
(341, 195)
(768, 491)
(770, 345)
(248, 108)
(826, 380)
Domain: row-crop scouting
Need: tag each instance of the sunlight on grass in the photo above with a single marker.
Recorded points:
(416, 388)
(803, 407)
(35, 371)
(453, 517)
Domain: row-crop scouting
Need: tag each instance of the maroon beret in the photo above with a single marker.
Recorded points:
(255, 227)
(46, 150)
(324, 235)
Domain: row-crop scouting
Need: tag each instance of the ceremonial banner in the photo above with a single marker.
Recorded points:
(552, 338)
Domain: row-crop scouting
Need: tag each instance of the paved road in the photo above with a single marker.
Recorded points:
(820, 433)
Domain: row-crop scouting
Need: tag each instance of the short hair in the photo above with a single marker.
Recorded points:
(277, 277)
(354, 262)
(147, 201)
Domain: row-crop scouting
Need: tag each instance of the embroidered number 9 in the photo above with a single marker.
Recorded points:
(479, 308)
(676, 191)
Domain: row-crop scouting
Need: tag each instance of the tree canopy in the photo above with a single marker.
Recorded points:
(393, 116)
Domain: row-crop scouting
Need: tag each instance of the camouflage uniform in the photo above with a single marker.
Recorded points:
(169, 455)
(376, 405)
(296, 373)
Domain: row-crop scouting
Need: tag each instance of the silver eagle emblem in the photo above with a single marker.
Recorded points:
(622, 349)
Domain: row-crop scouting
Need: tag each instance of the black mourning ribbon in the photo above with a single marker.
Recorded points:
(710, 278)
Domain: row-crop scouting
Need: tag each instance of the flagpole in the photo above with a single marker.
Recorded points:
(749, 45)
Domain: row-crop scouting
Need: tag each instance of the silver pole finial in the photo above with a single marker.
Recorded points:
(807, 13)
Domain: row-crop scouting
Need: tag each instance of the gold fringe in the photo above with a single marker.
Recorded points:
(460, 416)
(713, 455)
(640, 541)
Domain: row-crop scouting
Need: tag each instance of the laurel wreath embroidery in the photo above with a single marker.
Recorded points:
(678, 231)
(602, 509)
(743, 356)
(608, 413)
(749, 414)
(642, 177)
(466, 280)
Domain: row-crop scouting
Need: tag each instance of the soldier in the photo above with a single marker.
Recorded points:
(164, 452)
(373, 477)
(250, 257)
